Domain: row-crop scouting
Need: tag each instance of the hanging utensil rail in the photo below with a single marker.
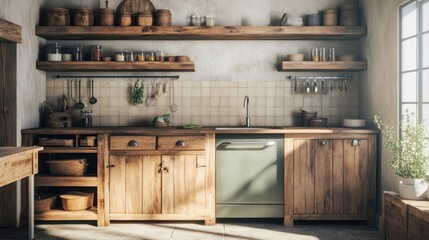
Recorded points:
(63, 76)
(305, 78)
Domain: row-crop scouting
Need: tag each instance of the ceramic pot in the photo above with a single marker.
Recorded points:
(412, 189)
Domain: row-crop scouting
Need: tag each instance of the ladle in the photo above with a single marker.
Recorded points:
(79, 105)
(92, 100)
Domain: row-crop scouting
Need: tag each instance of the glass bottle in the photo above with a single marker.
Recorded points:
(96, 53)
(315, 55)
(77, 53)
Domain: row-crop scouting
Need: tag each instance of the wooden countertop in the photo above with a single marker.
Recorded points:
(17, 163)
(203, 130)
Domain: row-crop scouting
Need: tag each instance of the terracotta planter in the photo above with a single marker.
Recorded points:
(412, 189)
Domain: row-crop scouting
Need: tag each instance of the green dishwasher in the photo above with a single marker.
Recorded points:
(249, 175)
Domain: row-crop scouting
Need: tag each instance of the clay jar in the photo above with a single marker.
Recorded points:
(58, 17)
(329, 18)
(107, 17)
(349, 15)
(83, 17)
(125, 19)
(163, 17)
(144, 19)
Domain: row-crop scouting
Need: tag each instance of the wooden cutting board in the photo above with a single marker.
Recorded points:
(135, 6)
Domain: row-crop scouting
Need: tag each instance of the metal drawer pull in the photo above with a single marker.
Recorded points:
(165, 169)
(110, 166)
(355, 143)
(245, 145)
(180, 143)
(133, 143)
(198, 165)
(322, 143)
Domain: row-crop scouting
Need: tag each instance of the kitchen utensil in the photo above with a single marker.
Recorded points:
(315, 88)
(173, 106)
(156, 93)
(80, 105)
(150, 100)
(306, 116)
(72, 101)
(92, 100)
(354, 123)
(48, 107)
(65, 105)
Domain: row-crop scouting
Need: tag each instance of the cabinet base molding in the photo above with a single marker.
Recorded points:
(156, 217)
(289, 219)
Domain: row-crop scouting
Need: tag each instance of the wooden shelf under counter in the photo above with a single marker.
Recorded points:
(290, 66)
(58, 214)
(202, 33)
(69, 150)
(113, 66)
(65, 181)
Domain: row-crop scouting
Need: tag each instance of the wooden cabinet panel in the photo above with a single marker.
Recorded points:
(303, 176)
(181, 143)
(151, 185)
(418, 224)
(133, 184)
(117, 184)
(337, 176)
(356, 177)
(323, 176)
(132, 143)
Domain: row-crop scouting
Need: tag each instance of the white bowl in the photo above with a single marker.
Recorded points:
(354, 123)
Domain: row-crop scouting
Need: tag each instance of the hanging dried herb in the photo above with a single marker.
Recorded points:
(137, 93)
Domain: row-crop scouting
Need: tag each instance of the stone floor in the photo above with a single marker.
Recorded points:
(226, 230)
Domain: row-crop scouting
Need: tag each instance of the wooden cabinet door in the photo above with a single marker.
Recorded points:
(135, 185)
(323, 176)
(184, 184)
(303, 176)
(356, 176)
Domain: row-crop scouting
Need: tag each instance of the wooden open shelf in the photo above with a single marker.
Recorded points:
(58, 214)
(69, 150)
(9, 32)
(201, 33)
(85, 66)
(288, 66)
(65, 181)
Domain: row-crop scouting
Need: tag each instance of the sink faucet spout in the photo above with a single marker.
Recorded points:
(246, 105)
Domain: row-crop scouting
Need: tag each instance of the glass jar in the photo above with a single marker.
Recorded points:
(119, 57)
(160, 56)
(53, 52)
(323, 56)
(315, 55)
(129, 56)
(96, 53)
(77, 53)
(67, 53)
(331, 55)
(150, 56)
(195, 20)
(209, 21)
(139, 56)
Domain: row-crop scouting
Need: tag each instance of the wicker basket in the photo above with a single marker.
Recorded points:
(45, 202)
(160, 124)
(69, 167)
(77, 201)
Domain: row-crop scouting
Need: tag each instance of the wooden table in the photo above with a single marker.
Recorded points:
(17, 163)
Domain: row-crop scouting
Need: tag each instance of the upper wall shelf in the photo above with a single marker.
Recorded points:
(9, 32)
(201, 33)
(339, 66)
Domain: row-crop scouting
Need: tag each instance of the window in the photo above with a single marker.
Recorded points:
(414, 59)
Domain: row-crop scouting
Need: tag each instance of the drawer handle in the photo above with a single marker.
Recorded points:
(355, 143)
(200, 166)
(133, 143)
(180, 143)
(165, 169)
(322, 143)
(110, 166)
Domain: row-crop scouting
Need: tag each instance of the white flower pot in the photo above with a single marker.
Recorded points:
(412, 189)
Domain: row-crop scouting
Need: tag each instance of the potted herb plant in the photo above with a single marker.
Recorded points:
(409, 159)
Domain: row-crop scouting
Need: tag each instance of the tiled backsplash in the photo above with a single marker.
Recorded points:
(209, 103)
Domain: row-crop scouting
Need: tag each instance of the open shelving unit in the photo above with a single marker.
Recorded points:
(289, 66)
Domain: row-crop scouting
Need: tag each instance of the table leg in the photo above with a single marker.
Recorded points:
(18, 203)
(31, 207)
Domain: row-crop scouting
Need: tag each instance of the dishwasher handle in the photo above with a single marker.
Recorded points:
(237, 146)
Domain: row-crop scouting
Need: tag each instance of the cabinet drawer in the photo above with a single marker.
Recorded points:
(181, 143)
(132, 143)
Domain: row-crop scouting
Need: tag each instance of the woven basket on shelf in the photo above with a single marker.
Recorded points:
(160, 124)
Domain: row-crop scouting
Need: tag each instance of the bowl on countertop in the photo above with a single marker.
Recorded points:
(354, 123)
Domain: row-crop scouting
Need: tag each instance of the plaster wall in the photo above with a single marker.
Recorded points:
(379, 85)
(31, 89)
(226, 71)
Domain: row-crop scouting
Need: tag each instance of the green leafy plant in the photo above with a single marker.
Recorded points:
(137, 93)
(409, 159)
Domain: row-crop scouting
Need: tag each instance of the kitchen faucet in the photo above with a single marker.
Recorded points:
(246, 105)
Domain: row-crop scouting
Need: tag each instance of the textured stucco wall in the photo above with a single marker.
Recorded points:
(31, 89)
(253, 63)
(379, 85)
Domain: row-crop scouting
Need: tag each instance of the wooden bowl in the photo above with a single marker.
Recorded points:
(183, 59)
(298, 57)
(45, 202)
(77, 201)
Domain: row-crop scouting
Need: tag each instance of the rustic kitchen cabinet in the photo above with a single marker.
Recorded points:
(166, 181)
(404, 219)
(330, 177)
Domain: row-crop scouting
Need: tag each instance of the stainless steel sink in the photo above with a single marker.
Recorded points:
(244, 128)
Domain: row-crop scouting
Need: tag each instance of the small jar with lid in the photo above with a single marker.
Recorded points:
(160, 56)
(150, 56)
(129, 56)
(144, 19)
(349, 15)
(78, 53)
(329, 17)
(119, 56)
(163, 17)
(96, 53)
(140, 56)
(53, 52)
(83, 17)
(66, 54)
(125, 19)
